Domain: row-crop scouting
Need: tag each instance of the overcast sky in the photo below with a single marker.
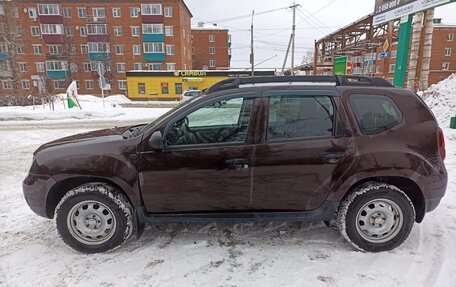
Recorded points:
(272, 30)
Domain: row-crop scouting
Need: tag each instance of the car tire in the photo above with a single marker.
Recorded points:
(376, 217)
(94, 218)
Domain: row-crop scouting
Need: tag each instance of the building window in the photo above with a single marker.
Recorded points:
(164, 88)
(211, 63)
(69, 31)
(169, 31)
(84, 49)
(116, 12)
(7, 84)
(392, 68)
(153, 47)
(136, 50)
(89, 84)
(73, 49)
(52, 29)
(135, 31)
(137, 66)
(59, 85)
(178, 87)
(152, 28)
(445, 66)
(154, 67)
(55, 66)
(37, 49)
(83, 31)
(169, 50)
(32, 13)
(98, 47)
(151, 9)
(450, 37)
(87, 67)
(122, 85)
(171, 66)
(97, 29)
(82, 12)
(54, 49)
(39, 67)
(134, 12)
(118, 31)
(394, 54)
(212, 38)
(212, 50)
(48, 9)
(15, 12)
(35, 31)
(121, 67)
(120, 49)
(20, 50)
(98, 12)
(448, 52)
(141, 88)
(67, 12)
(74, 67)
(168, 12)
(25, 84)
(22, 67)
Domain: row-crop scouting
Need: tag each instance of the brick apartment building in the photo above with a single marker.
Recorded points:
(45, 44)
(369, 56)
(211, 47)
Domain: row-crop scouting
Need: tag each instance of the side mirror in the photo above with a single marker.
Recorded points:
(156, 141)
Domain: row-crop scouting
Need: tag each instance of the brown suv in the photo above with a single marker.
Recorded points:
(352, 150)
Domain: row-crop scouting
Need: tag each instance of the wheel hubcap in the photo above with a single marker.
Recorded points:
(91, 222)
(379, 220)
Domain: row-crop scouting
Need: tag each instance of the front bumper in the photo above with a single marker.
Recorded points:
(36, 188)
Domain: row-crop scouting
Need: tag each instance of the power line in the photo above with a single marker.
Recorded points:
(246, 16)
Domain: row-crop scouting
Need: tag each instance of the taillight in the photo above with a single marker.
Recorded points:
(441, 141)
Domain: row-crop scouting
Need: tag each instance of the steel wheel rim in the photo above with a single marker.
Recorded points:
(379, 220)
(91, 222)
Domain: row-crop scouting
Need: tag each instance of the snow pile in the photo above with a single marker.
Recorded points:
(92, 111)
(441, 98)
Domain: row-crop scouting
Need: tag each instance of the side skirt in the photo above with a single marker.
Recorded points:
(325, 212)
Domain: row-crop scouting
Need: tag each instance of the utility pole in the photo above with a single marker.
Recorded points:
(293, 36)
(252, 55)
(291, 43)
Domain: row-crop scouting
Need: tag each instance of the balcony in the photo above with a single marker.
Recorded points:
(152, 19)
(53, 38)
(51, 19)
(96, 20)
(59, 56)
(154, 38)
(99, 56)
(154, 57)
(4, 56)
(57, 75)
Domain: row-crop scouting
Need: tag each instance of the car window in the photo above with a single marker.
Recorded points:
(294, 116)
(375, 113)
(219, 122)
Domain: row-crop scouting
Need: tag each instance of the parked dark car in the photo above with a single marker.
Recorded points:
(354, 151)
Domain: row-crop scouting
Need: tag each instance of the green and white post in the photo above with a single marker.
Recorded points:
(405, 31)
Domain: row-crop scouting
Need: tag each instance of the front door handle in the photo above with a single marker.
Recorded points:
(238, 163)
(333, 158)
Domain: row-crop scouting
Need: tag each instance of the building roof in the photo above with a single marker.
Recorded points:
(207, 27)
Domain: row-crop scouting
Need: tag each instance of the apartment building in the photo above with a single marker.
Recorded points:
(373, 50)
(211, 47)
(50, 43)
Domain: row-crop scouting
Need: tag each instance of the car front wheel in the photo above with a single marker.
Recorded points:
(94, 218)
(376, 217)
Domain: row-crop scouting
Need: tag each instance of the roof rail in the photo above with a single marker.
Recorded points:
(234, 83)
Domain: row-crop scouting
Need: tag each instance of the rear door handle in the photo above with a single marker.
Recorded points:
(333, 158)
(238, 163)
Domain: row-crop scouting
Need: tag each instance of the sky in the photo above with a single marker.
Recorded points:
(314, 20)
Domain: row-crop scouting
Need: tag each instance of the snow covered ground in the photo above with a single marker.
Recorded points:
(222, 254)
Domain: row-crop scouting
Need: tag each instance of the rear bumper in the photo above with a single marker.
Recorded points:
(35, 188)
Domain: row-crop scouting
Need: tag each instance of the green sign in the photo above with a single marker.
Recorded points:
(340, 65)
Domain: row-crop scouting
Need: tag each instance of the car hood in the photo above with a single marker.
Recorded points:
(107, 135)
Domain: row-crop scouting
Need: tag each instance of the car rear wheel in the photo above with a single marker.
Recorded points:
(94, 218)
(376, 217)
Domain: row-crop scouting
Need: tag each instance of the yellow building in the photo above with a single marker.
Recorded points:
(169, 85)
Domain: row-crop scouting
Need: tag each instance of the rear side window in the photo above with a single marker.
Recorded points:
(374, 113)
(292, 116)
